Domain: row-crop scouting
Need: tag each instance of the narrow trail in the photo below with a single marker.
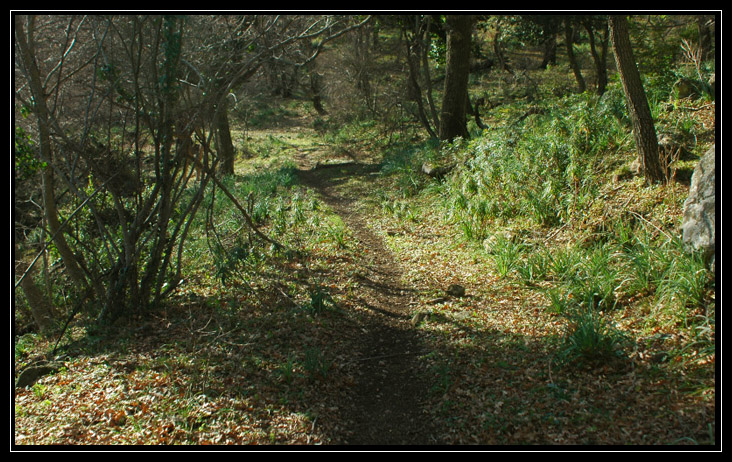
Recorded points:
(388, 404)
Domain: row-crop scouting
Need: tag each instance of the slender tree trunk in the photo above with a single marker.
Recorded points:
(640, 113)
(454, 104)
(550, 51)
(27, 56)
(599, 58)
(569, 42)
(426, 71)
(414, 90)
(498, 51)
(416, 40)
(316, 87)
(549, 29)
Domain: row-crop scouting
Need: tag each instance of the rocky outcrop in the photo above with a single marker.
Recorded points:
(698, 227)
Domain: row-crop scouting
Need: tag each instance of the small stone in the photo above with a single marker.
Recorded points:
(419, 317)
(456, 290)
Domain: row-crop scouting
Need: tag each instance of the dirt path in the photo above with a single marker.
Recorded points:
(388, 403)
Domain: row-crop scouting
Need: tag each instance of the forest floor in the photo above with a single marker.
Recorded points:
(382, 355)
(478, 368)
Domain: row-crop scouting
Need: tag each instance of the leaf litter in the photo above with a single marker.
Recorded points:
(478, 370)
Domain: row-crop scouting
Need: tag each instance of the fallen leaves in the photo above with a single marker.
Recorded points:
(233, 367)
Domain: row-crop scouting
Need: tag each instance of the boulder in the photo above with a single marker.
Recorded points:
(34, 372)
(698, 226)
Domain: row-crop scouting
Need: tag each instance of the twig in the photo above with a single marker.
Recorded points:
(555, 232)
(76, 310)
(551, 381)
(652, 224)
(236, 203)
(390, 355)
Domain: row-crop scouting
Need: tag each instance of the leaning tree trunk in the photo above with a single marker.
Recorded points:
(454, 102)
(569, 42)
(640, 113)
(550, 51)
(414, 90)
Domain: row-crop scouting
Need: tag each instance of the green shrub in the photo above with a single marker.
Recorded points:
(598, 278)
(316, 364)
(563, 262)
(535, 267)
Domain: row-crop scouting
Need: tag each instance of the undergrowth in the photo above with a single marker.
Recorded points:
(532, 201)
(537, 195)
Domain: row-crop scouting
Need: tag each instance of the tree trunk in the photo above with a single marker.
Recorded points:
(640, 113)
(569, 42)
(416, 34)
(498, 51)
(40, 306)
(28, 59)
(316, 87)
(600, 58)
(426, 71)
(224, 145)
(550, 51)
(414, 91)
(454, 104)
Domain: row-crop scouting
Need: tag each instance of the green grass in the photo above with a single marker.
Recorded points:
(506, 253)
(591, 338)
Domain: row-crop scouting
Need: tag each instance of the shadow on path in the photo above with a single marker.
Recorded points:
(391, 389)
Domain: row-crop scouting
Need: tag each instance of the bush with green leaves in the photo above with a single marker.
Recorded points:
(221, 237)
(316, 364)
(27, 163)
(535, 267)
(506, 254)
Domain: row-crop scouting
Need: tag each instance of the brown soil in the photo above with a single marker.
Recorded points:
(388, 405)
